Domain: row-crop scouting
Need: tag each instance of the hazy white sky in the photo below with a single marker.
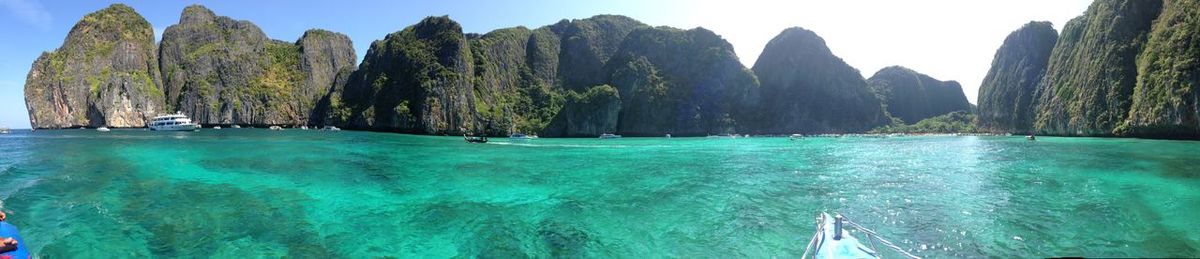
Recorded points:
(948, 40)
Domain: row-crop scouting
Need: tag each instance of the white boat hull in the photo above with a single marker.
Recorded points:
(180, 127)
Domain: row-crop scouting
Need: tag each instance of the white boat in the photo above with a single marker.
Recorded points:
(276, 128)
(331, 128)
(304, 127)
(216, 127)
(609, 136)
(519, 137)
(173, 122)
(5, 131)
(833, 240)
(236, 126)
(796, 136)
(103, 129)
(668, 135)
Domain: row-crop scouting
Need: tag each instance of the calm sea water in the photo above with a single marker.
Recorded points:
(251, 192)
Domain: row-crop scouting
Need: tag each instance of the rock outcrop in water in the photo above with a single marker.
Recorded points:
(806, 89)
(912, 97)
(218, 70)
(1008, 94)
(104, 74)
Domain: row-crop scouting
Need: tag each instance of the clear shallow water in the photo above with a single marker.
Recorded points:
(248, 193)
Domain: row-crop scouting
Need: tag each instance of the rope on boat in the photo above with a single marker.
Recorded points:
(871, 233)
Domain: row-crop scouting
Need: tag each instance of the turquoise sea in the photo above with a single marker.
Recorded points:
(238, 193)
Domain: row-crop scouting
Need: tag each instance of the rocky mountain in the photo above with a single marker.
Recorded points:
(431, 78)
(1007, 96)
(218, 70)
(1123, 68)
(683, 82)
(587, 114)
(806, 89)
(1165, 96)
(104, 74)
(912, 97)
(583, 77)
(1093, 69)
(417, 80)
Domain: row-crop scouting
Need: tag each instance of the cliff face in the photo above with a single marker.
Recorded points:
(1165, 97)
(416, 80)
(1007, 96)
(222, 71)
(912, 96)
(680, 82)
(326, 60)
(806, 89)
(587, 114)
(104, 74)
(433, 79)
(1092, 70)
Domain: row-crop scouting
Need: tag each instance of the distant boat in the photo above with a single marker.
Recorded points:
(236, 126)
(216, 127)
(173, 122)
(5, 131)
(475, 139)
(668, 135)
(331, 128)
(103, 129)
(796, 136)
(275, 128)
(1031, 137)
(609, 136)
(520, 137)
(304, 127)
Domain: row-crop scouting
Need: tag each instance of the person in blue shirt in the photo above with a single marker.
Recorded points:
(11, 245)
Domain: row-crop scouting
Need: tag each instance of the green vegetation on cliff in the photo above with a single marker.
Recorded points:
(954, 122)
(911, 96)
(1007, 98)
(1165, 98)
(1092, 70)
(806, 89)
(104, 74)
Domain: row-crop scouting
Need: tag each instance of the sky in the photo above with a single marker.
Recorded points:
(946, 39)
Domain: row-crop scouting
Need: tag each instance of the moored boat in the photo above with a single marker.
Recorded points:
(475, 139)
(331, 128)
(236, 126)
(216, 127)
(519, 137)
(275, 128)
(172, 122)
(103, 129)
(609, 136)
(5, 131)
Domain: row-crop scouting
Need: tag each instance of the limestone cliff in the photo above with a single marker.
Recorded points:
(104, 74)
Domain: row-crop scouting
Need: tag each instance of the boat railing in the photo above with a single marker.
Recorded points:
(872, 236)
